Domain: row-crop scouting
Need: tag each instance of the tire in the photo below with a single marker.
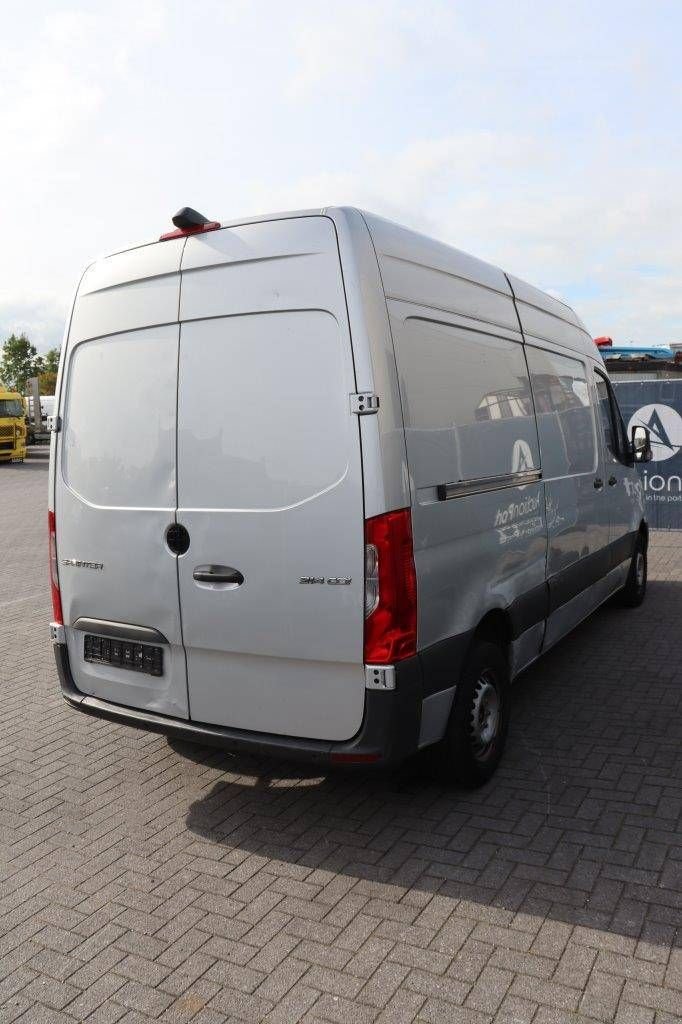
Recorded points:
(634, 591)
(472, 747)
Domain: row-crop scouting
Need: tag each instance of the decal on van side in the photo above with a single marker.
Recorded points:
(522, 457)
(665, 425)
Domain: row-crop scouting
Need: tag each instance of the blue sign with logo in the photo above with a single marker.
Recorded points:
(657, 405)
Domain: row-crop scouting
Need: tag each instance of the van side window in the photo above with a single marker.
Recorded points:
(466, 401)
(565, 413)
(612, 420)
(621, 431)
(606, 414)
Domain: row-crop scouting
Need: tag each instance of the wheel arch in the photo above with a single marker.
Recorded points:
(644, 532)
(495, 626)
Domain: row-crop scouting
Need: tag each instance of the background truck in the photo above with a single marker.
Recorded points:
(39, 429)
(12, 427)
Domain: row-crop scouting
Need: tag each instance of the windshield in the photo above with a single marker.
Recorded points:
(11, 407)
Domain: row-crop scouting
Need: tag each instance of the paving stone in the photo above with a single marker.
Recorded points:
(143, 998)
(601, 995)
(490, 989)
(51, 993)
(294, 1005)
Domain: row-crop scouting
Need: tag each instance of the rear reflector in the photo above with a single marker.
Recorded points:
(351, 758)
(391, 589)
(54, 577)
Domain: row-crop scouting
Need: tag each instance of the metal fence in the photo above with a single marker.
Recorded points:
(657, 404)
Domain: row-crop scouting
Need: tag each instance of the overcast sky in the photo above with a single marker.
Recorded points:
(544, 137)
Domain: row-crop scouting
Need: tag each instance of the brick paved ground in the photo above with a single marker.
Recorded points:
(142, 881)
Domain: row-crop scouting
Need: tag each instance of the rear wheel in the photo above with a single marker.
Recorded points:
(634, 591)
(474, 741)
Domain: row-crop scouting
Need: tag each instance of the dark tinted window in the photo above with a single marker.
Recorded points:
(565, 413)
(606, 414)
(615, 434)
(467, 403)
(11, 407)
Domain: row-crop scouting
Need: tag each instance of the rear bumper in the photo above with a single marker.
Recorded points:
(389, 732)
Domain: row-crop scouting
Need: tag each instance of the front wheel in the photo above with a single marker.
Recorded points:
(476, 732)
(634, 591)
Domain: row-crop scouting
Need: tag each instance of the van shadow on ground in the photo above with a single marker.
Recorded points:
(581, 823)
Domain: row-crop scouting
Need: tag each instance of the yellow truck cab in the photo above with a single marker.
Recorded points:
(12, 427)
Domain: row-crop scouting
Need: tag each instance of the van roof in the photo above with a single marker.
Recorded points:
(394, 239)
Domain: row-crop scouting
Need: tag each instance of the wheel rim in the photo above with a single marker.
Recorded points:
(640, 569)
(484, 721)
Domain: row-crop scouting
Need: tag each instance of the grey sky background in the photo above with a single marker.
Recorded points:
(544, 137)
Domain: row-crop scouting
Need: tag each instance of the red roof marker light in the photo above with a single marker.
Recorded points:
(188, 222)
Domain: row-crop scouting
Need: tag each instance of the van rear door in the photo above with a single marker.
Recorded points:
(115, 482)
(270, 483)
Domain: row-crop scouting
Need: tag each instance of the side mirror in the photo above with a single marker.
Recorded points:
(641, 444)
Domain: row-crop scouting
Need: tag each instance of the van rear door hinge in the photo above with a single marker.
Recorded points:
(364, 403)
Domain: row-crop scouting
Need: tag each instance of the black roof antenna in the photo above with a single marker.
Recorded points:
(189, 218)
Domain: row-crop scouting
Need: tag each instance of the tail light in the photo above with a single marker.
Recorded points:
(54, 578)
(390, 589)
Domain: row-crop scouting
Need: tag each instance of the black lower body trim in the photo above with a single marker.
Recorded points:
(389, 732)
(578, 576)
(570, 582)
(623, 548)
(529, 609)
(442, 662)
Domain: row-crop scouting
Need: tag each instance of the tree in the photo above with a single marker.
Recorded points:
(46, 369)
(19, 361)
(51, 361)
(47, 381)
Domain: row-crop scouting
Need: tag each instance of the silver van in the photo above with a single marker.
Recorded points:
(321, 487)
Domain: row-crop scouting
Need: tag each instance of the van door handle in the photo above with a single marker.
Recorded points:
(613, 480)
(598, 483)
(223, 574)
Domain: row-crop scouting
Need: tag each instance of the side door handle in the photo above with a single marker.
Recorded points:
(598, 483)
(613, 480)
(224, 575)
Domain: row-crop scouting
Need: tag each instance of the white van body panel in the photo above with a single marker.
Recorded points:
(272, 653)
(384, 456)
(545, 318)
(261, 267)
(418, 269)
(270, 482)
(117, 345)
(129, 290)
(115, 500)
